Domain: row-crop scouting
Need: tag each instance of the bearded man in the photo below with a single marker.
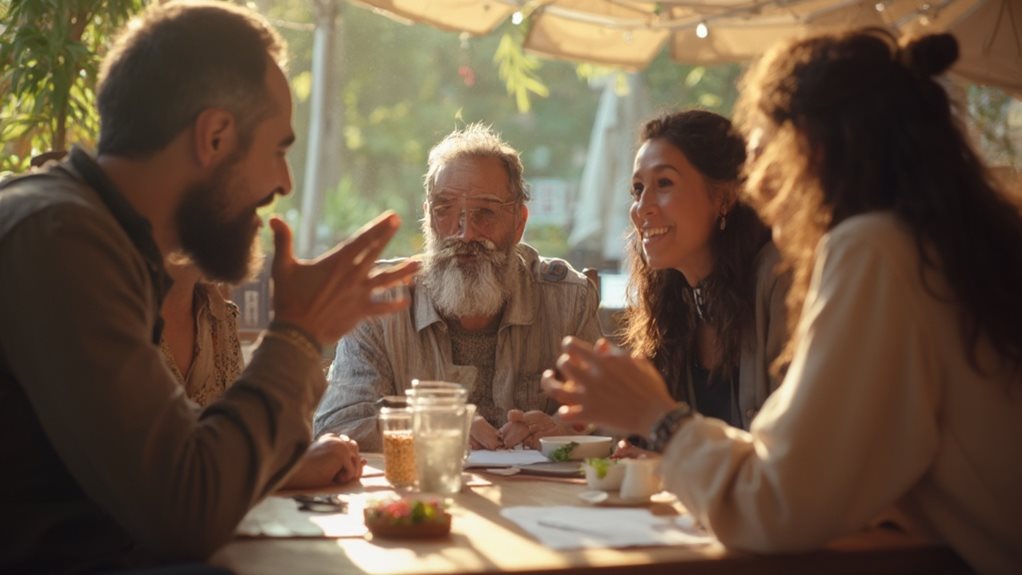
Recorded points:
(107, 464)
(487, 311)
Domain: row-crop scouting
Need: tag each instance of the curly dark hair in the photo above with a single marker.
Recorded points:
(854, 122)
(660, 321)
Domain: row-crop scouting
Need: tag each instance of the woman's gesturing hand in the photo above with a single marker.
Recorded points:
(606, 386)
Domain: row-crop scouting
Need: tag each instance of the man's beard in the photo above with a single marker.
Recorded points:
(477, 288)
(223, 246)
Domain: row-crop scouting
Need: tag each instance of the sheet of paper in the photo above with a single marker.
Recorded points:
(505, 458)
(567, 527)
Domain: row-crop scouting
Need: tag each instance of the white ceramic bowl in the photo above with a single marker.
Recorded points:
(609, 482)
(588, 445)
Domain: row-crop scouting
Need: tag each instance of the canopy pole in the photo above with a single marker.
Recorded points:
(323, 70)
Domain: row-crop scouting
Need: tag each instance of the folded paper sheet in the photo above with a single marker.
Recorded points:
(506, 458)
(566, 527)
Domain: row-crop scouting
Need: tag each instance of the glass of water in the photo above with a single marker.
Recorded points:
(436, 390)
(439, 432)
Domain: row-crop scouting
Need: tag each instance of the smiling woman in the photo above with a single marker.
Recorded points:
(703, 295)
(903, 386)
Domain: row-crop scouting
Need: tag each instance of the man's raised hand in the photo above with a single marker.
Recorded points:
(330, 295)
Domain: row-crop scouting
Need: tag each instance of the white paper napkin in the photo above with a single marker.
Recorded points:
(567, 527)
(505, 458)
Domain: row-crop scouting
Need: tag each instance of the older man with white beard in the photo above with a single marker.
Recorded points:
(487, 311)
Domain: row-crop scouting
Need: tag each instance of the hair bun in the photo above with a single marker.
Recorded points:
(930, 55)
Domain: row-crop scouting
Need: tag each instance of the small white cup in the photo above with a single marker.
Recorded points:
(642, 479)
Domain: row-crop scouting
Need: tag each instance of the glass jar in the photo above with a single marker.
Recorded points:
(398, 446)
(439, 426)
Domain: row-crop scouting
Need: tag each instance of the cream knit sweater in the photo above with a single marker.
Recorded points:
(880, 412)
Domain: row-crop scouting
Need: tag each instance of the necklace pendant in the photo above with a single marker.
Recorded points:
(697, 297)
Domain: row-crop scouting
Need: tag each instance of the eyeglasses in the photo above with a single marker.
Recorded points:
(481, 213)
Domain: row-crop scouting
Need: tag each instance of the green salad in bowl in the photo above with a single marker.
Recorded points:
(575, 447)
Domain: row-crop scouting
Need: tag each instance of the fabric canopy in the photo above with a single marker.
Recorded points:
(629, 34)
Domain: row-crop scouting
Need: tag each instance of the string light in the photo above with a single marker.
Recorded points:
(880, 6)
(702, 30)
(927, 13)
(517, 18)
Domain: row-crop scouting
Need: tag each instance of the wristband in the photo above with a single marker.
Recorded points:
(664, 429)
(295, 336)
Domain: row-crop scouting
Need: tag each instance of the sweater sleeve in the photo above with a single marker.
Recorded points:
(79, 339)
(852, 428)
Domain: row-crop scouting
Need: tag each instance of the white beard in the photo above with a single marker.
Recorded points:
(476, 289)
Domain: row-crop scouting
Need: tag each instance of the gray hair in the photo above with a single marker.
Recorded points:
(477, 140)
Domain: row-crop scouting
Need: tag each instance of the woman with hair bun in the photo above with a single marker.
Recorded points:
(903, 396)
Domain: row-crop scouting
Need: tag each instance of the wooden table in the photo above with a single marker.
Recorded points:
(481, 541)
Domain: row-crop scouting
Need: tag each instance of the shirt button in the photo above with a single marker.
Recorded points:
(750, 413)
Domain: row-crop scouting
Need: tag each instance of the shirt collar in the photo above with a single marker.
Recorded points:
(212, 300)
(137, 228)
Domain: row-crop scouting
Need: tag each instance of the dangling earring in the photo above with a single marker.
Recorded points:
(723, 221)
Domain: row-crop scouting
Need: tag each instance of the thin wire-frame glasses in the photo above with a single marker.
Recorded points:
(482, 214)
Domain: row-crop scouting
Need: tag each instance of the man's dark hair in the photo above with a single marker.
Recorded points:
(177, 60)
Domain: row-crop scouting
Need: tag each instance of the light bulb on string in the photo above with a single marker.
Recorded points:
(702, 30)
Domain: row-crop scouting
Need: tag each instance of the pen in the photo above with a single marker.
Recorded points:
(565, 526)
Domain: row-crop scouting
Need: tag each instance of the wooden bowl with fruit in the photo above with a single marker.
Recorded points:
(407, 519)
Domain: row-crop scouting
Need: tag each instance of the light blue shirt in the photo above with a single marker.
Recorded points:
(549, 300)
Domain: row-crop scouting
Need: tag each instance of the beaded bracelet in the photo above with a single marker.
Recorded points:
(665, 428)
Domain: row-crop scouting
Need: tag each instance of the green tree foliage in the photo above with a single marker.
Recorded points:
(989, 110)
(518, 71)
(49, 59)
(403, 89)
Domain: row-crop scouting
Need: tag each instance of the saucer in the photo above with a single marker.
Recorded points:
(614, 499)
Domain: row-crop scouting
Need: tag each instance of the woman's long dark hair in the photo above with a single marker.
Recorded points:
(853, 123)
(660, 320)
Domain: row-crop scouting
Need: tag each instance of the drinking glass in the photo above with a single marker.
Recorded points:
(439, 432)
(470, 414)
(436, 390)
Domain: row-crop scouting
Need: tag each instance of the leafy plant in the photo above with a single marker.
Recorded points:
(49, 61)
(989, 110)
(518, 71)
